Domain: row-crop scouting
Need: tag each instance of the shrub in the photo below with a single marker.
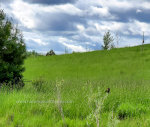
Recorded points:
(12, 52)
(50, 53)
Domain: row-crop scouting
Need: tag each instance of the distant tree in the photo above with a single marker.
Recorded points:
(12, 52)
(108, 41)
(50, 53)
(32, 53)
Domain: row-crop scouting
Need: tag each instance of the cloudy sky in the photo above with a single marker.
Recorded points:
(79, 25)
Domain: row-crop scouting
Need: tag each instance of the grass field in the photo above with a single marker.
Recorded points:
(69, 91)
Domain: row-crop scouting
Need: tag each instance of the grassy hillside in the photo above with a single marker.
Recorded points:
(117, 64)
(79, 82)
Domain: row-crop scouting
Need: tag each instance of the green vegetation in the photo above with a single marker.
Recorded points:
(12, 52)
(108, 41)
(50, 53)
(79, 81)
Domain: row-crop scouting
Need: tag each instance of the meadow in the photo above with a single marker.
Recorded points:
(69, 90)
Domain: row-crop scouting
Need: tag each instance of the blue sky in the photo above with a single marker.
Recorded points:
(79, 25)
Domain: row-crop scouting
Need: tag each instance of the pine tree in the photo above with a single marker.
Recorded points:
(12, 51)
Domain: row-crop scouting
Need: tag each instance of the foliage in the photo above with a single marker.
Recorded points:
(108, 41)
(50, 53)
(12, 51)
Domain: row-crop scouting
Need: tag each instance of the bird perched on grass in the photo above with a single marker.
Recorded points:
(107, 90)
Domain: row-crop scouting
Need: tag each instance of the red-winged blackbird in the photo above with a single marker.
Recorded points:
(107, 90)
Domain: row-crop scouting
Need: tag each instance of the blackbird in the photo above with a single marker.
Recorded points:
(107, 90)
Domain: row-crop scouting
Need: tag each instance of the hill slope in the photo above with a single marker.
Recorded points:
(117, 63)
(69, 90)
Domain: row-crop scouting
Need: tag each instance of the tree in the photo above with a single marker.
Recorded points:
(32, 53)
(12, 52)
(108, 41)
(50, 53)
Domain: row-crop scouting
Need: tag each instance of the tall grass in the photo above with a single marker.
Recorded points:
(29, 107)
(86, 77)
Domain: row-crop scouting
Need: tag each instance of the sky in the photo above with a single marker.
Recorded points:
(79, 25)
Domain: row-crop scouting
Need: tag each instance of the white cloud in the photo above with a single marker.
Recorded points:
(115, 4)
(128, 42)
(39, 41)
(136, 27)
(73, 47)
(145, 5)
(80, 28)
(24, 13)
(109, 25)
(87, 22)
(118, 5)
(99, 11)
(27, 13)
(133, 27)
(67, 9)
(76, 48)
(138, 11)
(124, 5)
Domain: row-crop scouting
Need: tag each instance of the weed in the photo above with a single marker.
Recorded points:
(38, 84)
(59, 84)
(96, 102)
(112, 120)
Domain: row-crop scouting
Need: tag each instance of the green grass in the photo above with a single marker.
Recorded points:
(126, 71)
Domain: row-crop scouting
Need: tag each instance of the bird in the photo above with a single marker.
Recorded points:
(107, 90)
